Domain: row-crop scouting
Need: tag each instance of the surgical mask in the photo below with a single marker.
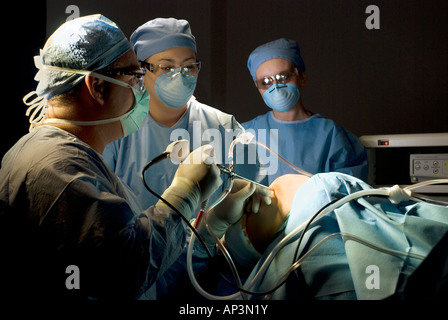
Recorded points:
(175, 88)
(130, 121)
(281, 96)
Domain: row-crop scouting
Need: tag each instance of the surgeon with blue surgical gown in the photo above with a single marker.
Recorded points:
(365, 249)
(69, 228)
(167, 49)
(308, 140)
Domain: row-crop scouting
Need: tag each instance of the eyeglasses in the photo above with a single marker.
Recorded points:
(137, 76)
(191, 68)
(284, 77)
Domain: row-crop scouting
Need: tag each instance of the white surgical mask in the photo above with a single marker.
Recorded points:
(281, 97)
(175, 88)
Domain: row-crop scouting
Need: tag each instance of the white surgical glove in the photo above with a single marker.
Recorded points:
(196, 179)
(231, 209)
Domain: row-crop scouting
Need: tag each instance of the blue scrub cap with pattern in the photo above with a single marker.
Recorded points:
(161, 34)
(86, 43)
(280, 48)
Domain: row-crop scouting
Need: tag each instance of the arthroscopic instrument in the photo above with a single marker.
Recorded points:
(233, 174)
(178, 151)
(246, 138)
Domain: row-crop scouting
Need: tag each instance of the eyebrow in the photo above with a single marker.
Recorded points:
(173, 61)
(131, 67)
(270, 75)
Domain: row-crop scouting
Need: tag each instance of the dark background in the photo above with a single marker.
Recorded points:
(386, 81)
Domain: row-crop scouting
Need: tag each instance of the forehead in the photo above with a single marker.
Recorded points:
(272, 67)
(176, 54)
(127, 61)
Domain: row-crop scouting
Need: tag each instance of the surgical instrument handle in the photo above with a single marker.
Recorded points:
(233, 174)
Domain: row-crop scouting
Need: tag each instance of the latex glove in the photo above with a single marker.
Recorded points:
(196, 179)
(231, 209)
(261, 195)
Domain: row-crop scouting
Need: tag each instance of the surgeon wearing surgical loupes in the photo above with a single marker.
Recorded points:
(167, 49)
(308, 140)
(64, 214)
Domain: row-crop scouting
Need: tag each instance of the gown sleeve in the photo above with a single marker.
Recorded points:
(71, 210)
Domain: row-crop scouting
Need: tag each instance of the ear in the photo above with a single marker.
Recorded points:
(303, 78)
(96, 88)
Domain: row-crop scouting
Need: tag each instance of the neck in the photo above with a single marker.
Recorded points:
(298, 112)
(96, 136)
(165, 115)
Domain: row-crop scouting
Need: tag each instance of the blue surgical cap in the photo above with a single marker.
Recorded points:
(87, 43)
(280, 48)
(161, 34)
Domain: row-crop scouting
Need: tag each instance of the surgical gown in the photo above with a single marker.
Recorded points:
(315, 145)
(62, 206)
(200, 124)
(343, 267)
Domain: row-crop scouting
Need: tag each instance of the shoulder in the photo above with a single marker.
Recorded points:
(320, 121)
(211, 116)
(59, 159)
(261, 119)
(330, 126)
(49, 144)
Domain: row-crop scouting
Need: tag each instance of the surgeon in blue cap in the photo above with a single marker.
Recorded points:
(308, 140)
(166, 48)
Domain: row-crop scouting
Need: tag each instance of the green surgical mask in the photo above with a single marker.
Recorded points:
(130, 121)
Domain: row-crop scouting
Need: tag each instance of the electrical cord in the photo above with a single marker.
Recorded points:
(159, 158)
(294, 257)
(346, 237)
(239, 287)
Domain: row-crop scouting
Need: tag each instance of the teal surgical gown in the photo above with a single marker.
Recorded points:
(342, 268)
(315, 145)
(60, 206)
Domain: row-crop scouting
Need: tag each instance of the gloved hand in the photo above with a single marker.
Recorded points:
(231, 209)
(196, 179)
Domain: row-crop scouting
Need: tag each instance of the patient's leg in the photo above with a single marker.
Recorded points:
(262, 227)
